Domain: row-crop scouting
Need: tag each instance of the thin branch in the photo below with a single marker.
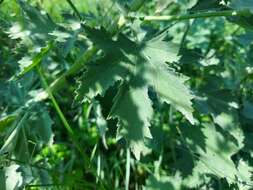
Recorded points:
(168, 18)
(127, 176)
(75, 9)
(55, 103)
(182, 44)
(44, 185)
(60, 113)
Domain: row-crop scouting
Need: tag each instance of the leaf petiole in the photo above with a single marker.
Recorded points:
(168, 18)
(60, 113)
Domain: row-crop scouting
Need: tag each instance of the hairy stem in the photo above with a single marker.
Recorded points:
(225, 13)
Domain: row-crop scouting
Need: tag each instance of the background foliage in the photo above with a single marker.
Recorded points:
(94, 95)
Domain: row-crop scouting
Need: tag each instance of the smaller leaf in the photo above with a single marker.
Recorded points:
(6, 122)
(11, 141)
(27, 65)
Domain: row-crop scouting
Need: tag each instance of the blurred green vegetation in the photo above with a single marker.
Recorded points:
(214, 61)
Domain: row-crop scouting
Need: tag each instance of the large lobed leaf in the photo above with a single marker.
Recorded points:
(137, 71)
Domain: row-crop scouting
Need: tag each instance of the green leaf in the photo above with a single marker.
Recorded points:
(99, 77)
(186, 4)
(245, 175)
(35, 22)
(101, 38)
(215, 156)
(11, 142)
(171, 89)
(13, 178)
(242, 5)
(33, 27)
(163, 183)
(133, 108)
(130, 5)
(244, 21)
(247, 110)
(206, 5)
(27, 65)
(60, 36)
(2, 179)
(158, 51)
(6, 122)
(168, 85)
(42, 129)
(222, 106)
(246, 39)
(104, 40)
(137, 72)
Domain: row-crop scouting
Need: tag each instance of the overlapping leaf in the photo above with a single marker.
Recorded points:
(140, 72)
(215, 156)
(137, 71)
(222, 106)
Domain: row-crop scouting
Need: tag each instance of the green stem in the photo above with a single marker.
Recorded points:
(44, 185)
(128, 158)
(55, 103)
(196, 15)
(158, 165)
(184, 141)
(60, 113)
(75, 10)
